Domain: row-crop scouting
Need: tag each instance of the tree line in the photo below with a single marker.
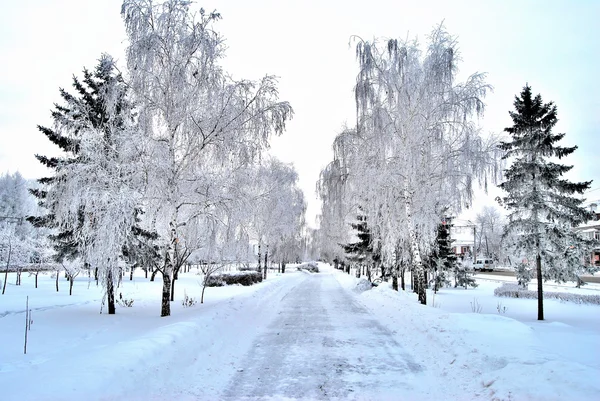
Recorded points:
(164, 159)
(410, 162)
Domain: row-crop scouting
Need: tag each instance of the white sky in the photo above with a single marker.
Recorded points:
(552, 45)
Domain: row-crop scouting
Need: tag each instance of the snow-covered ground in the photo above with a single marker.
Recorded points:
(324, 335)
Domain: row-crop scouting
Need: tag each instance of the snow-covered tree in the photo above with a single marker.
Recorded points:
(543, 206)
(490, 225)
(16, 234)
(363, 251)
(442, 260)
(277, 206)
(416, 151)
(93, 197)
(42, 254)
(201, 125)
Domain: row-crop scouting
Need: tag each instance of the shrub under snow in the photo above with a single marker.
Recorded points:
(310, 266)
(514, 291)
(243, 278)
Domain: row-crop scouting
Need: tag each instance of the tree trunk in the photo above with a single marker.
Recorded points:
(166, 291)
(95, 276)
(173, 289)
(110, 292)
(175, 277)
(131, 269)
(146, 272)
(414, 246)
(538, 262)
(202, 297)
(259, 261)
(18, 281)
(7, 265)
(282, 267)
(395, 269)
(36, 279)
(402, 283)
(266, 259)
(57, 274)
(70, 285)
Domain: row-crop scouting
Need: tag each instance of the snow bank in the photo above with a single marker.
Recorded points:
(514, 291)
(476, 355)
(353, 284)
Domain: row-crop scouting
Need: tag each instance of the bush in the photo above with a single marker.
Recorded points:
(242, 277)
(187, 300)
(515, 291)
(310, 266)
(125, 302)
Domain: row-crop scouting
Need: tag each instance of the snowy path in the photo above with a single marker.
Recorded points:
(322, 345)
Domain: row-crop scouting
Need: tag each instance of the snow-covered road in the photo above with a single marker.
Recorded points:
(322, 345)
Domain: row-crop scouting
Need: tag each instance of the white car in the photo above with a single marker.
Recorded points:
(483, 265)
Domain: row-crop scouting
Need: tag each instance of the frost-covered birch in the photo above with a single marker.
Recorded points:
(418, 150)
(200, 123)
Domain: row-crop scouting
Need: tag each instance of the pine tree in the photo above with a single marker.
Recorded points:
(543, 210)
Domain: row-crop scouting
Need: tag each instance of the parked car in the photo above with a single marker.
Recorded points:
(484, 265)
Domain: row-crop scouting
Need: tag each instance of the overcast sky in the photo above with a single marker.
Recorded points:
(552, 45)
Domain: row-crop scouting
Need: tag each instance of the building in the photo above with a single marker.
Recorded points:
(591, 229)
(463, 238)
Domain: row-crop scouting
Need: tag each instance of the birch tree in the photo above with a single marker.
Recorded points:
(490, 224)
(416, 122)
(277, 206)
(416, 151)
(199, 122)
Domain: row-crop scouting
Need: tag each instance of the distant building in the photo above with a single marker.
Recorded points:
(461, 233)
(591, 229)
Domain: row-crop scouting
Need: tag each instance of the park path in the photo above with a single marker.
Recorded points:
(323, 345)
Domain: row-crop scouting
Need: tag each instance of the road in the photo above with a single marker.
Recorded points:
(322, 345)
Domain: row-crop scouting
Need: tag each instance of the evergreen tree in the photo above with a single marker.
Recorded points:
(362, 252)
(543, 209)
(69, 118)
(89, 198)
(443, 260)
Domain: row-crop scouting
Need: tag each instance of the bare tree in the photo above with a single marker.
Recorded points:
(490, 226)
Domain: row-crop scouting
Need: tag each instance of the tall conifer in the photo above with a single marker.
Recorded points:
(543, 208)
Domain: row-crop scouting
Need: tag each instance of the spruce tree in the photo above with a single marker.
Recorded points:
(361, 252)
(99, 109)
(443, 259)
(71, 114)
(542, 205)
